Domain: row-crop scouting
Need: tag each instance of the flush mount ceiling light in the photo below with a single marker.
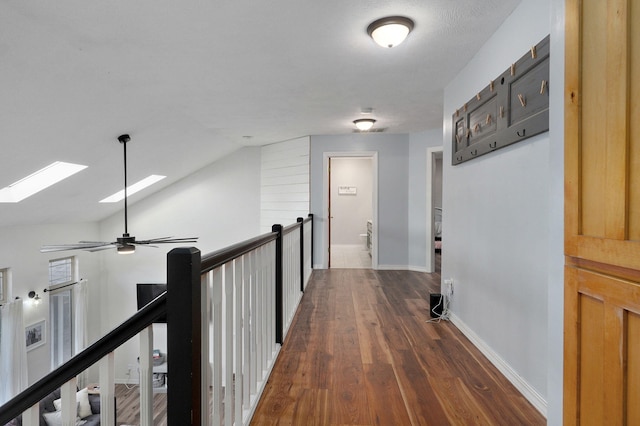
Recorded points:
(364, 124)
(390, 31)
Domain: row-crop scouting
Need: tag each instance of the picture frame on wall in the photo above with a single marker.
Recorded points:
(35, 334)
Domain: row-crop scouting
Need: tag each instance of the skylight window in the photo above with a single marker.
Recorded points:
(132, 189)
(38, 181)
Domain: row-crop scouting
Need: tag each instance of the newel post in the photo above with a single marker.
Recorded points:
(311, 217)
(279, 292)
(184, 344)
(301, 222)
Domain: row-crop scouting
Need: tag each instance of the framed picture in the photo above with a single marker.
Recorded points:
(35, 334)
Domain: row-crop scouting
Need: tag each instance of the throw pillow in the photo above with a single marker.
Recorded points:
(82, 398)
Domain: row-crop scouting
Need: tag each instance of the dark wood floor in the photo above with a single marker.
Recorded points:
(361, 352)
(128, 406)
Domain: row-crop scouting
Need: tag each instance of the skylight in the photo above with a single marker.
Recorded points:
(38, 181)
(132, 189)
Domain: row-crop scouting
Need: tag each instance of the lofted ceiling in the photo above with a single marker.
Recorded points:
(191, 81)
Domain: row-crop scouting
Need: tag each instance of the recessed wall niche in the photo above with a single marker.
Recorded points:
(510, 109)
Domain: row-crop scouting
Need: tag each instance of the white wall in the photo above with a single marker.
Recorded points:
(284, 188)
(497, 221)
(555, 294)
(19, 251)
(351, 211)
(393, 182)
(220, 204)
(417, 220)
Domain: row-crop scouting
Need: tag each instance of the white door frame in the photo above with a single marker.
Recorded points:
(432, 154)
(325, 201)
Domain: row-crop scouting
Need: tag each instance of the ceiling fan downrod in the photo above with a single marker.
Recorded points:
(123, 139)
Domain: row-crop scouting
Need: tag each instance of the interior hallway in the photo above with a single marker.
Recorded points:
(361, 352)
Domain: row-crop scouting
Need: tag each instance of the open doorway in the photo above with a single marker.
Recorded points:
(351, 202)
(435, 212)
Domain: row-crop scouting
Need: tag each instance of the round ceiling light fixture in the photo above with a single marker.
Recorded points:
(390, 31)
(364, 124)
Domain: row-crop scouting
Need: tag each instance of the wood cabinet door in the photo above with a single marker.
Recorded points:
(602, 213)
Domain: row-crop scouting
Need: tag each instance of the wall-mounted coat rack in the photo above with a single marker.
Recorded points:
(511, 108)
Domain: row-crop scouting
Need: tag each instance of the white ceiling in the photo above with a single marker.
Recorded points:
(191, 81)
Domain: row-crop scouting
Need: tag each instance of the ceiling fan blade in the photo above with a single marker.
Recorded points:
(105, 247)
(90, 246)
(168, 240)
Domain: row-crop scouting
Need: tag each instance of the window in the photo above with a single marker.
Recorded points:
(61, 315)
(4, 277)
(61, 273)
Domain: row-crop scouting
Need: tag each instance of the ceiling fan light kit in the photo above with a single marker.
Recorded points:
(127, 243)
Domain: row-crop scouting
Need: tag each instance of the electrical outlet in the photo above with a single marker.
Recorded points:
(448, 287)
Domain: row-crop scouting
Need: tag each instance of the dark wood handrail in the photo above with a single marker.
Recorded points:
(83, 360)
(288, 229)
(218, 258)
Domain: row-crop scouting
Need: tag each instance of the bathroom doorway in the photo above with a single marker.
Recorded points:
(351, 199)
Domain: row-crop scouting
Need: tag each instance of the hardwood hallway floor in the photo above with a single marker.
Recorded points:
(361, 352)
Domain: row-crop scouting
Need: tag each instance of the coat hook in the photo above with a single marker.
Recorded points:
(488, 119)
(474, 152)
(464, 108)
(523, 102)
(513, 69)
(534, 54)
(491, 85)
(478, 96)
(543, 86)
(523, 133)
(493, 145)
(476, 128)
(468, 133)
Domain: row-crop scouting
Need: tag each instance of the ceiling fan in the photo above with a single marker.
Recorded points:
(125, 244)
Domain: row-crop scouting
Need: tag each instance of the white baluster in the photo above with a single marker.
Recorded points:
(107, 390)
(146, 376)
(228, 333)
(216, 298)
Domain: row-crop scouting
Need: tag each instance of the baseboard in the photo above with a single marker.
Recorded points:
(522, 385)
(417, 269)
(393, 268)
(389, 268)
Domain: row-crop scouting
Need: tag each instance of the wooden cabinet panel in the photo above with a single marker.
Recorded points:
(591, 351)
(602, 213)
(633, 369)
(602, 351)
